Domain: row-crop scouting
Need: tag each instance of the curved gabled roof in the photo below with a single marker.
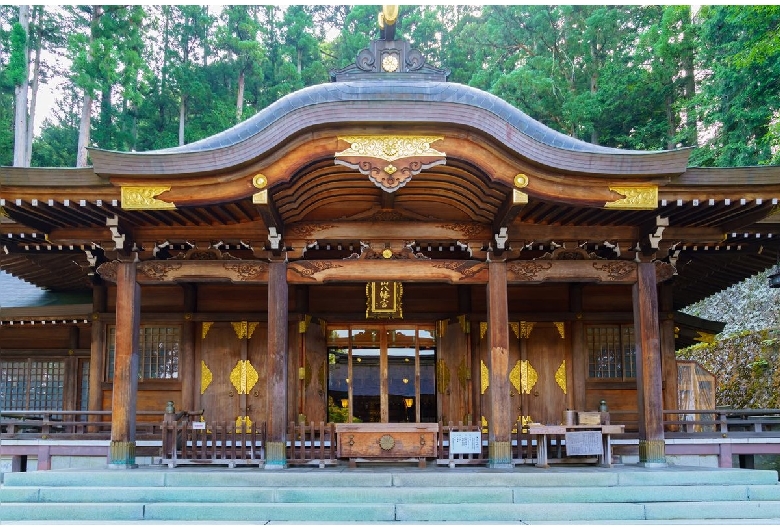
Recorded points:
(392, 101)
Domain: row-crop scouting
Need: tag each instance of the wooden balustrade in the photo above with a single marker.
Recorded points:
(71, 424)
(220, 443)
(311, 444)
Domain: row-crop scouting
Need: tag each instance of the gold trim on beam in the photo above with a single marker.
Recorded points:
(390, 147)
(144, 198)
(635, 198)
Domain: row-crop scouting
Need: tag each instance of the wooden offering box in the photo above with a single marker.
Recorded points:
(387, 441)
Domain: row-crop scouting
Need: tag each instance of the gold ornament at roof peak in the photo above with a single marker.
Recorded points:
(635, 198)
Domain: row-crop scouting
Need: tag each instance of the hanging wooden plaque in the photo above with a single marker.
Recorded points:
(384, 299)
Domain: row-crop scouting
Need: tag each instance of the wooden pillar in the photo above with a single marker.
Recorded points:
(500, 426)
(97, 353)
(125, 388)
(579, 354)
(648, 367)
(668, 353)
(187, 351)
(276, 446)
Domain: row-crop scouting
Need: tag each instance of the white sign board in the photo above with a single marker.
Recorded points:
(465, 443)
(198, 425)
(583, 443)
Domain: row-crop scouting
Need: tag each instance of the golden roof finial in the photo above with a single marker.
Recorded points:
(387, 20)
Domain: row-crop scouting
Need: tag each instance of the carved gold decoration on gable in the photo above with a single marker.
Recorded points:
(244, 377)
(526, 328)
(205, 377)
(240, 328)
(145, 198)
(3, 213)
(560, 376)
(442, 377)
(206, 327)
(516, 328)
(484, 376)
(528, 377)
(635, 198)
(483, 328)
(370, 154)
(561, 326)
(390, 147)
(707, 338)
(252, 328)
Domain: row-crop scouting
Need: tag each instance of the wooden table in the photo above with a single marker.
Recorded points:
(543, 431)
(387, 441)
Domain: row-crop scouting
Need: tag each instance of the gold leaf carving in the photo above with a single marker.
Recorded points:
(144, 198)
(206, 328)
(259, 181)
(252, 328)
(635, 198)
(464, 374)
(560, 376)
(561, 329)
(442, 376)
(240, 328)
(390, 147)
(244, 377)
(483, 327)
(465, 325)
(303, 325)
(527, 270)
(205, 377)
(516, 328)
(241, 421)
(706, 338)
(526, 328)
(528, 377)
(484, 377)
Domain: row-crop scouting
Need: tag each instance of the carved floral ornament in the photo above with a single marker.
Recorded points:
(389, 161)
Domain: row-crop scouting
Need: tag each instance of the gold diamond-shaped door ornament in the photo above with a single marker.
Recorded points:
(528, 377)
(560, 376)
(244, 377)
(205, 377)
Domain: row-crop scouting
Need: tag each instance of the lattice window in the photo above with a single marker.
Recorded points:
(31, 384)
(158, 349)
(611, 352)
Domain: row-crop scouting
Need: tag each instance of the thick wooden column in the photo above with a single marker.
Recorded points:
(187, 353)
(648, 367)
(97, 353)
(668, 354)
(275, 456)
(579, 354)
(500, 426)
(125, 388)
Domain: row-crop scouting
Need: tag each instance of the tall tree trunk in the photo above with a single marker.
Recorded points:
(182, 114)
(689, 90)
(20, 96)
(84, 126)
(37, 15)
(240, 98)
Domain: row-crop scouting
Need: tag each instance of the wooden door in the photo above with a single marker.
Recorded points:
(232, 379)
(453, 374)
(315, 373)
(544, 350)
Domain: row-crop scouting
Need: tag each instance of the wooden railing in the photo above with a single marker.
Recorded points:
(225, 443)
(311, 444)
(698, 423)
(70, 424)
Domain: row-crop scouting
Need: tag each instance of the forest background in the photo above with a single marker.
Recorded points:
(137, 78)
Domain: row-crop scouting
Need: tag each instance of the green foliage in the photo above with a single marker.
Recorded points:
(17, 65)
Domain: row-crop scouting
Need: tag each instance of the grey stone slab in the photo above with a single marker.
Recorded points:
(92, 477)
(18, 494)
(713, 510)
(632, 494)
(519, 512)
(464, 495)
(764, 492)
(169, 494)
(269, 512)
(666, 476)
(71, 512)
(280, 478)
(505, 479)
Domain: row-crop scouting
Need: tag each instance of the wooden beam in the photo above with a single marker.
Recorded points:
(125, 387)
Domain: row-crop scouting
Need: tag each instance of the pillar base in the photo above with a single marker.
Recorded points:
(121, 455)
(500, 455)
(275, 455)
(652, 453)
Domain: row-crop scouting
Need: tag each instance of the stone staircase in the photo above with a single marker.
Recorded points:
(392, 494)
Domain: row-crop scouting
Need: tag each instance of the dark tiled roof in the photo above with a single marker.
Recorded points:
(399, 90)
